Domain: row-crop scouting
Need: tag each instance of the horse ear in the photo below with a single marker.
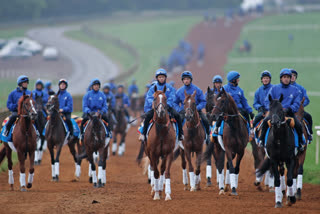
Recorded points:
(155, 88)
(185, 93)
(208, 90)
(164, 89)
(270, 98)
(194, 94)
(281, 98)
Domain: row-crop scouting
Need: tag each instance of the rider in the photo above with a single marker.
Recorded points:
(237, 94)
(260, 96)
(110, 98)
(303, 92)
(133, 88)
(47, 88)
(217, 84)
(161, 76)
(113, 86)
(66, 104)
(187, 78)
(93, 101)
(39, 91)
(13, 98)
(290, 103)
(125, 99)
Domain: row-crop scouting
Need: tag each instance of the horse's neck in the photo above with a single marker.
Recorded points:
(24, 123)
(195, 120)
(55, 118)
(300, 113)
(163, 120)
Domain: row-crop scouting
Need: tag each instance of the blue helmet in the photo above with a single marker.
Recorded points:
(120, 86)
(265, 73)
(63, 81)
(21, 79)
(47, 84)
(186, 74)
(285, 71)
(217, 78)
(106, 85)
(39, 82)
(161, 71)
(294, 72)
(172, 82)
(233, 75)
(95, 81)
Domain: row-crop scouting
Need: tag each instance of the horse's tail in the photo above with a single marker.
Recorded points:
(176, 154)
(264, 167)
(2, 154)
(207, 154)
(140, 155)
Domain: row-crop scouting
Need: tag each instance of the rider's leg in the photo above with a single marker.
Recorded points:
(69, 123)
(105, 118)
(308, 117)
(245, 114)
(298, 127)
(176, 116)
(264, 128)
(85, 118)
(205, 122)
(148, 117)
(12, 119)
(257, 119)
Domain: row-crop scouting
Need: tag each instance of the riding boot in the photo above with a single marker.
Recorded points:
(308, 118)
(12, 119)
(205, 122)
(84, 120)
(298, 127)
(148, 117)
(70, 126)
(218, 124)
(177, 117)
(264, 128)
(257, 119)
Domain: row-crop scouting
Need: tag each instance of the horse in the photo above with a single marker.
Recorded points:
(193, 142)
(40, 124)
(55, 135)
(160, 144)
(121, 127)
(280, 149)
(134, 105)
(24, 139)
(235, 138)
(96, 141)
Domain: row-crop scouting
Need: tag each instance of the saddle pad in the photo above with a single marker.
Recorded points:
(296, 138)
(9, 137)
(140, 129)
(76, 129)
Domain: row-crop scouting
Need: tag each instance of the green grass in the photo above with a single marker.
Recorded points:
(6, 33)
(275, 44)
(4, 164)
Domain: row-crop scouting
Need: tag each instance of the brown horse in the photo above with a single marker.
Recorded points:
(121, 127)
(24, 139)
(56, 138)
(40, 124)
(193, 142)
(235, 139)
(160, 144)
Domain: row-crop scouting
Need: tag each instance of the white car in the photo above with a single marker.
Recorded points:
(27, 44)
(50, 53)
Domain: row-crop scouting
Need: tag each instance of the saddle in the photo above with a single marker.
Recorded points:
(75, 120)
(104, 123)
(173, 121)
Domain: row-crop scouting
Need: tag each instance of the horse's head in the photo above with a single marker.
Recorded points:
(119, 103)
(39, 103)
(26, 107)
(276, 111)
(53, 103)
(190, 106)
(224, 104)
(160, 102)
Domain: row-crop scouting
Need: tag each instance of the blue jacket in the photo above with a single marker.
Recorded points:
(200, 98)
(215, 92)
(112, 86)
(303, 93)
(133, 89)
(237, 94)
(260, 96)
(65, 101)
(47, 91)
(291, 96)
(39, 93)
(110, 96)
(169, 94)
(125, 99)
(13, 98)
(94, 101)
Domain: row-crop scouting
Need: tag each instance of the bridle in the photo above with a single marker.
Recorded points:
(222, 110)
(28, 110)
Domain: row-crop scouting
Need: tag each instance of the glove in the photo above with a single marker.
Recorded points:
(252, 115)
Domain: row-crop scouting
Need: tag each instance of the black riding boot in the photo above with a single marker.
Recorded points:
(177, 117)
(264, 128)
(218, 124)
(298, 127)
(308, 118)
(148, 117)
(12, 119)
(257, 119)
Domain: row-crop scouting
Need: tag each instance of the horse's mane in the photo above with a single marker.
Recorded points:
(232, 103)
(20, 102)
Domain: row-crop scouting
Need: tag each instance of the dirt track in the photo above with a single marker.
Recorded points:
(127, 190)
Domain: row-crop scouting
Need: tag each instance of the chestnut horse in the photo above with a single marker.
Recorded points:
(160, 144)
(193, 142)
(24, 139)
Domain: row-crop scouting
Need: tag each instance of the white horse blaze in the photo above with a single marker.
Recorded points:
(160, 106)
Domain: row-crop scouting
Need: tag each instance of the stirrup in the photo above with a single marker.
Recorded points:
(142, 138)
(181, 138)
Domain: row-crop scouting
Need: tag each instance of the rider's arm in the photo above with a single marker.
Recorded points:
(256, 102)
(10, 103)
(244, 103)
(69, 107)
(201, 100)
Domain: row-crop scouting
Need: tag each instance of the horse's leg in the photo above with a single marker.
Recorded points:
(184, 170)
(93, 170)
(282, 178)
(278, 191)
(56, 163)
(300, 173)
(72, 149)
(209, 172)
(167, 175)
(51, 150)
(106, 154)
(237, 168)
(101, 167)
(122, 145)
(291, 198)
(40, 153)
(256, 152)
(227, 179)
(232, 173)
(191, 171)
(154, 163)
(163, 169)
(31, 169)
(220, 154)
(198, 163)
(114, 144)
(21, 159)
(10, 171)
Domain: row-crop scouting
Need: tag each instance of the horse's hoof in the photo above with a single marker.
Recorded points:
(168, 197)
(156, 196)
(209, 184)
(193, 189)
(53, 179)
(278, 205)
(57, 178)
(90, 180)
(186, 187)
(95, 185)
(76, 179)
(266, 188)
(11, 187)
(23, 189)
(234, 192)
(149, 181)
(29, 185)
(298, 194)
(227, 187)
(160, 194)
(291, 200)
(100, 184)
(36, 163)
(39, 162)
(256, 183)
(113, 153)
(221, 192)
(198, 187)
(271, 189)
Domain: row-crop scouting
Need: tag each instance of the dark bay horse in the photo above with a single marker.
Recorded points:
(280, 149)
(96, 141)
(24, 139)
(235, 138)
(160, 144)
(40, 124)
(121, 128)
(193, 142)
(56, 138)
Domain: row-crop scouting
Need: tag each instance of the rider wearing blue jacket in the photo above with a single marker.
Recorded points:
(238, 95)
(13, 98)
(113, 86)
(47, 88)
(133, 88)
(290, 103)
(260, 96)
(94, 101)
(304, 95)
(161, 76)
(217, 84)
(39, 92)
(66, 103)
(187, 78)
(125, 99)
(109, 96)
